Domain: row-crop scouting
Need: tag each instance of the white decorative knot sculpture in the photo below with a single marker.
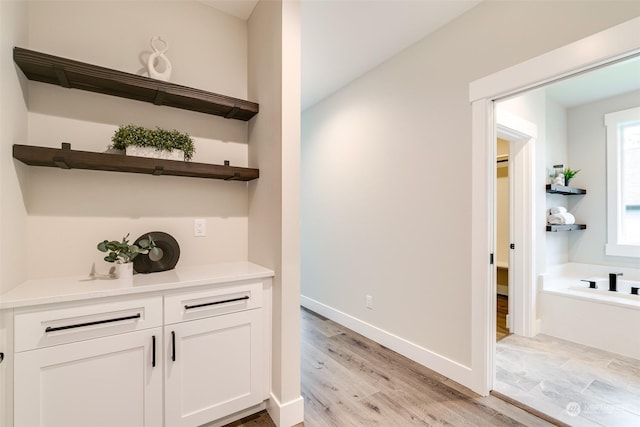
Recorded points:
(159, 55)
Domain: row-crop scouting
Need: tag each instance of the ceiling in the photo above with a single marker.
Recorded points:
(343, 39)
(239, 8)
(601, 83)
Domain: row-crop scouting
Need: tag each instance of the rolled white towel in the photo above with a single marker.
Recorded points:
(555, 219)
(561, 218)
(557, 210)
(568, 218)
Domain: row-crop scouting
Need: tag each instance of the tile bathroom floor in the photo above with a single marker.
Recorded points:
(576, 384)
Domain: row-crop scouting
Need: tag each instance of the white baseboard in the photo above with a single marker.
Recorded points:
(447, 367)
(287, 414)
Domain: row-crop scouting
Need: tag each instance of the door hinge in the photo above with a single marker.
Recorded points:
(512, 245)
(491, 259)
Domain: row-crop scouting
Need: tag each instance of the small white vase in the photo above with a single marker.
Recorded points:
(124, 271)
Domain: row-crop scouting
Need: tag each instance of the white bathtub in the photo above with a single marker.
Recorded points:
(598, 318)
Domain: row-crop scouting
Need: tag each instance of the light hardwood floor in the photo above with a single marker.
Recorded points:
(349, 380)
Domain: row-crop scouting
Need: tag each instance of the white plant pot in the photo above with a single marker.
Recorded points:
(124, 271)
(134, 150)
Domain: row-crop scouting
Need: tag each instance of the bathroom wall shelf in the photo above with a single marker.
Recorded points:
(66, 158)
(565, 227)
(563, 189)
(68, 73)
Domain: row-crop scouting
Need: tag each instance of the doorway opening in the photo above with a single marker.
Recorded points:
(513, 220)
(503, 241)
(610, 46)
(554, 372)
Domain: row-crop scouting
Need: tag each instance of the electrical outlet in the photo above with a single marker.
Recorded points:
(199, 227)
(369, 303)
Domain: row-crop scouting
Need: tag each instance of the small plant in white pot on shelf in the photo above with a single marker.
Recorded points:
(569, 174)
(159, 143)
(122, 253)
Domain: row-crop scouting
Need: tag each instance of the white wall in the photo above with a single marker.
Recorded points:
(71, 210)
(386, 174)
(557, 244)
(274, 199)
(13, 129)
(587, 151)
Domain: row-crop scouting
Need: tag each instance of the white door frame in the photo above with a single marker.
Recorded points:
(614, 44)
(521, 135)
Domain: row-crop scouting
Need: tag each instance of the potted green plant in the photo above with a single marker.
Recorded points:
(122, 253)
(158, 143)
(569, 174)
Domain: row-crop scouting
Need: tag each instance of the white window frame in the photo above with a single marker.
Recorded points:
(614, 245)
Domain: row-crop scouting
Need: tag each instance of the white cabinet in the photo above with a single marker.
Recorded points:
(215, 354)
(95, 364)
(213, 368)
(179, 357)
(108, 382)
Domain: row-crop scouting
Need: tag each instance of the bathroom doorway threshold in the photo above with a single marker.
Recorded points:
(529, 409)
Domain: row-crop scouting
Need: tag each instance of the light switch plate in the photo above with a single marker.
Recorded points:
(199, 227)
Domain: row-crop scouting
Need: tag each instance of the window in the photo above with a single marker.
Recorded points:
(623, 183)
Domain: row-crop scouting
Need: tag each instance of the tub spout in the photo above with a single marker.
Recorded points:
(613, 281)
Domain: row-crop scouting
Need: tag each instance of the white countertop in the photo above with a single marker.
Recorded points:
(65, 289)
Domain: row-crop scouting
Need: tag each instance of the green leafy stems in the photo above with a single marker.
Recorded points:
(570, 173)
(160, 139)
(123, 252)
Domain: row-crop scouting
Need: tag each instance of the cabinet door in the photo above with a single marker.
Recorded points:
(214, 367)
(110, 381)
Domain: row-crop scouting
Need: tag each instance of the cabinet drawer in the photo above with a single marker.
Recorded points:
(184, 306)
(44, 328)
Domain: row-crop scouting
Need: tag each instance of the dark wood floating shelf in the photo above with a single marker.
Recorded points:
(79, 75)
(564, 227)
(563, 189)
(66, 158)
